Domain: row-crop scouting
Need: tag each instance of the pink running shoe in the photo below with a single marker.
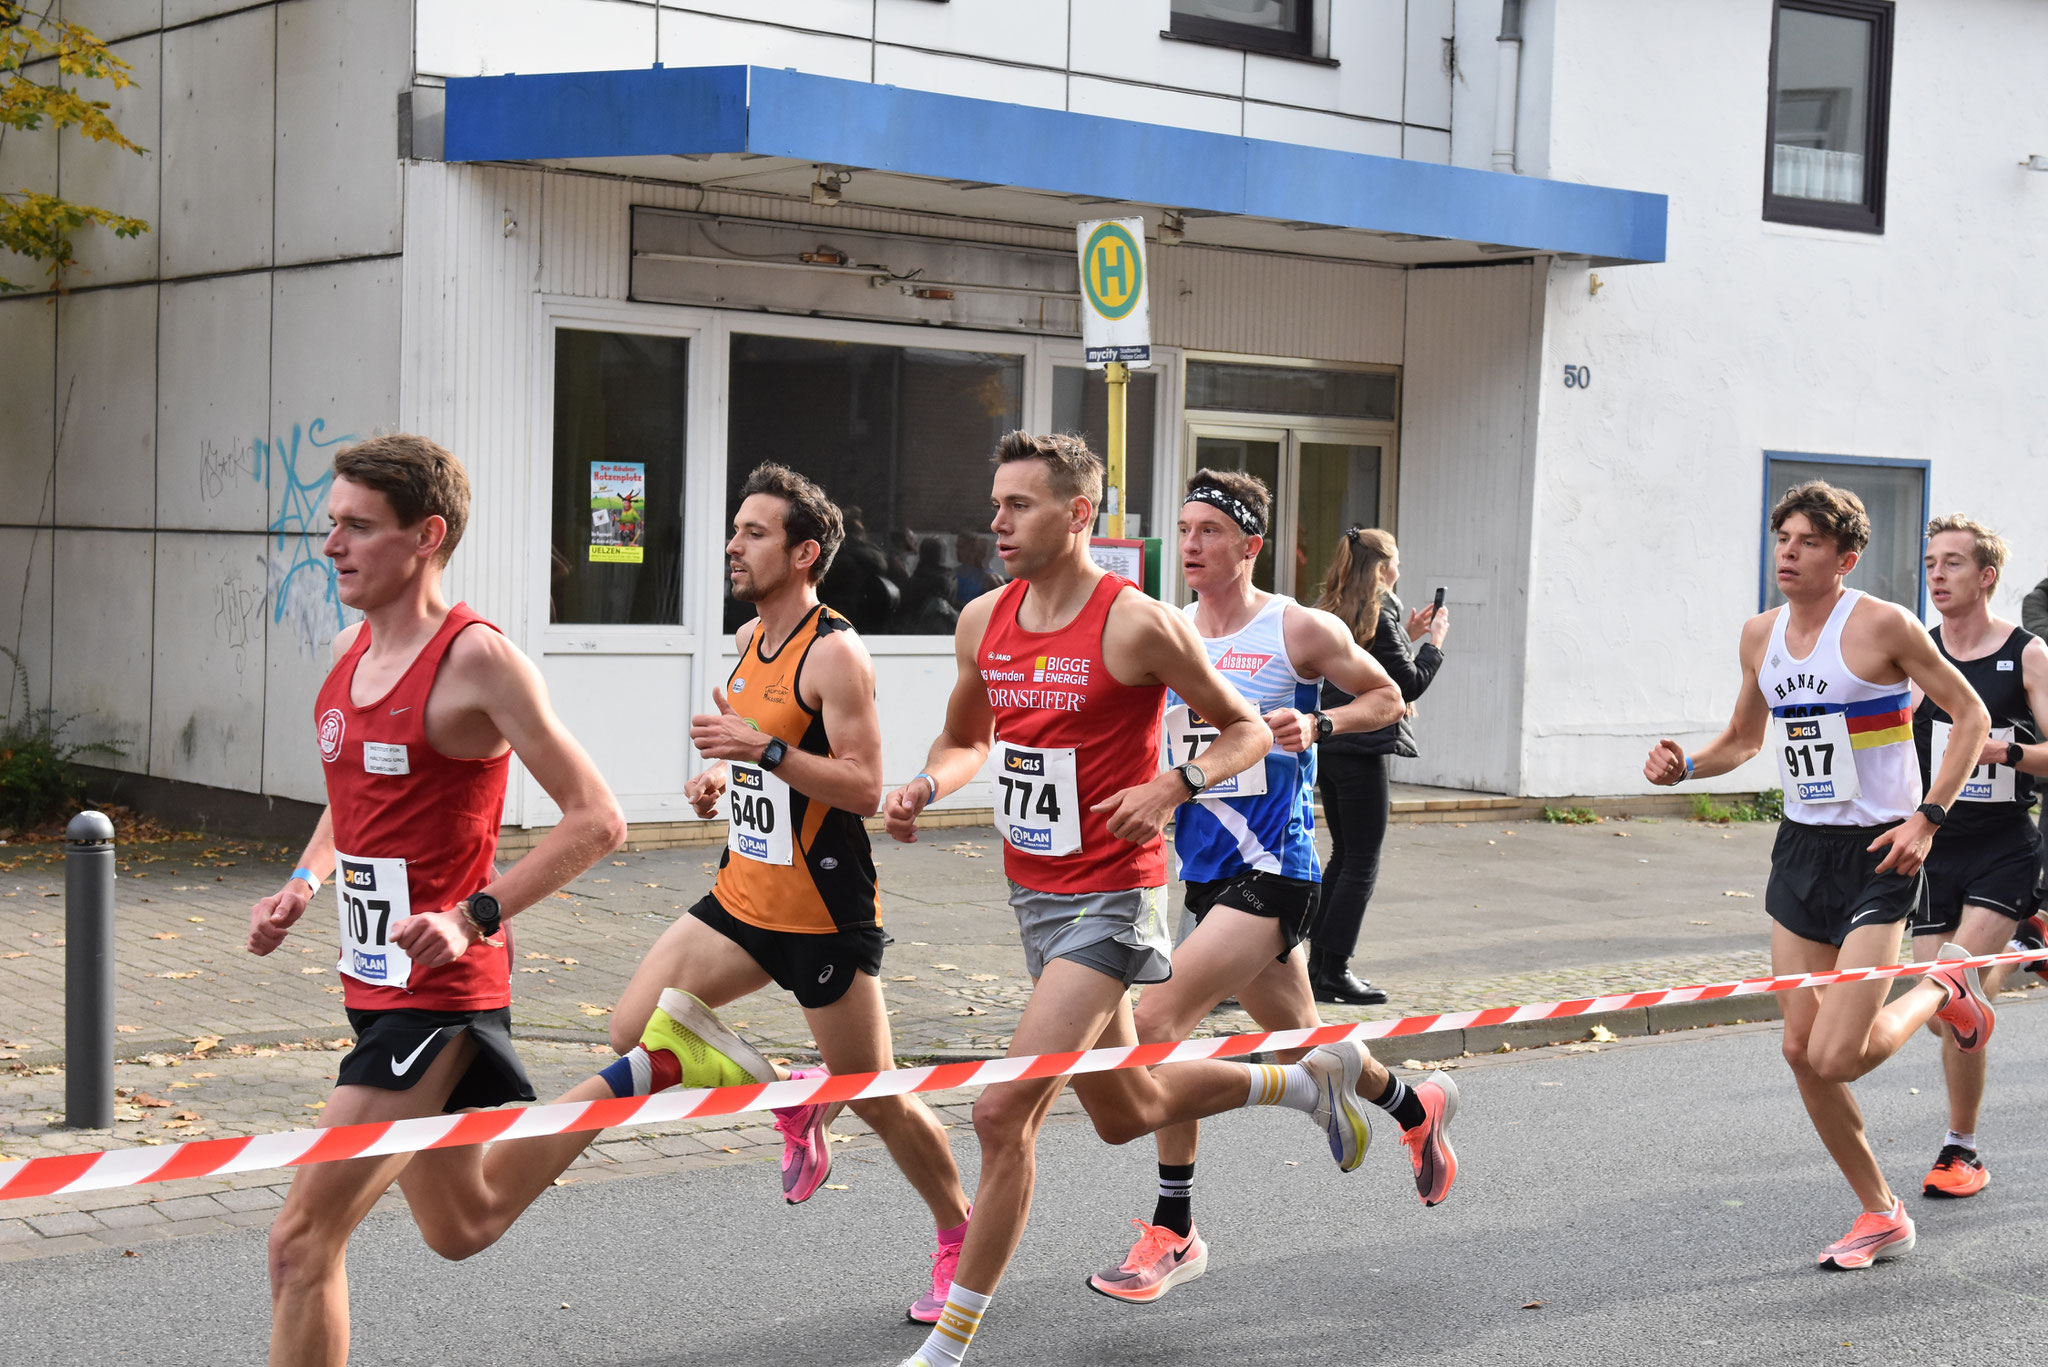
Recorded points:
(1158, 1262)
(1429, 1144)
(1872, 1239)
(927, 1308)
(1968, 1014)
(806, 1152)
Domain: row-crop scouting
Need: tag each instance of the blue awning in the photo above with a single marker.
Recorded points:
(764, 112)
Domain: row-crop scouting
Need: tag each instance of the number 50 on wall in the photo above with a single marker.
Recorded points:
(1578, 377)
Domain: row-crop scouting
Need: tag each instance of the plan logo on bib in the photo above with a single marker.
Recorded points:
(332, 725)
(1236, 661)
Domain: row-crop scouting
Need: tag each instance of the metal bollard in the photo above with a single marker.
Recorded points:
(89, 972)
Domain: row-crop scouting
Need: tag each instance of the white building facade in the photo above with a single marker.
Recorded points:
(1558, 292)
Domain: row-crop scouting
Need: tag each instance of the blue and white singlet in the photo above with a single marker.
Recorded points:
(1264, 818)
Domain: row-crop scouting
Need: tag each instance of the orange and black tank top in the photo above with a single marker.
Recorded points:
(791, 863)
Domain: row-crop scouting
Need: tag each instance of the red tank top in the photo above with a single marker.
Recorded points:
(414, 830)
(1068, 735)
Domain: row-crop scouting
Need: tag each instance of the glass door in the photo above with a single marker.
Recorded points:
(1253, 451)
(1325, 481)
(1337, 487)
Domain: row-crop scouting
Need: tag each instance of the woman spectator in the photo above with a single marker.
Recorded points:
(1352, 769)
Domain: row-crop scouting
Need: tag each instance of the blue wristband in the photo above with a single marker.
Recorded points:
(934, 783)
(1688, 766)
(305, 875)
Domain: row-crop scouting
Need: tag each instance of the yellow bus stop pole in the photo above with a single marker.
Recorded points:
(1118, 376)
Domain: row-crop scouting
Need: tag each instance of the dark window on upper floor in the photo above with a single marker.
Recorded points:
(1263, 25)
(1831, 76)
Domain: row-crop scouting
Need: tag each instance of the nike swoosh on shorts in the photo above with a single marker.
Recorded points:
(400, 1069)
(1870, 911)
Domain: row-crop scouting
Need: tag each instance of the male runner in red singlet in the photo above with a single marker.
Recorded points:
(1063, 677)
(1836, 669)
(415, 725)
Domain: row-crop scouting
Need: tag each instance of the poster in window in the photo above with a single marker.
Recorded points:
(618, 511)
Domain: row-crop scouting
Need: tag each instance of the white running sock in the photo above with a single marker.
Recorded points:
(1280, 1084)
(949, 1338)
(1968, 1141)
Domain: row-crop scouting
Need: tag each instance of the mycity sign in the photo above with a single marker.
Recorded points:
(1116, 322)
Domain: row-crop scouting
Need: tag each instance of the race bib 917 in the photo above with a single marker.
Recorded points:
(1816, 763)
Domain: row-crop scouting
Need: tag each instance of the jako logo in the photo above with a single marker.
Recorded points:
(1031, 837)
(331, 727)
(1066, 669)
(1017, 762)
(1243, 662)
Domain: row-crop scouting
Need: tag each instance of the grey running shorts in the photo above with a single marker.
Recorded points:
(1121, 934)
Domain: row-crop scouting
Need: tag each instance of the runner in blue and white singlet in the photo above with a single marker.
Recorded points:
(1247, 852)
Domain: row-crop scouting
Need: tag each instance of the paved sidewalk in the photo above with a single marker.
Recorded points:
(219, 1042)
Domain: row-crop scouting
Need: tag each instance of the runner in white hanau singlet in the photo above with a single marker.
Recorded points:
(1828, 678)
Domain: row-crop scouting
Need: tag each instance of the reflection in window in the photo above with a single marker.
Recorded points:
(1080, 404)
(1830, 92)
(617, 521)
(1895, 496)
(1340, 489)
(900, 439)
(1267, 25)
(1237, 387)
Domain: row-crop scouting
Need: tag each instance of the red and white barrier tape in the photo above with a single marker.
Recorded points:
(68, 1173)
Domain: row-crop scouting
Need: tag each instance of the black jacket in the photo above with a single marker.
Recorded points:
(1411, 668)
(2034, 610)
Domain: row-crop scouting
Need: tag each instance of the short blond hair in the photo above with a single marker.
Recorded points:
(1987, 546)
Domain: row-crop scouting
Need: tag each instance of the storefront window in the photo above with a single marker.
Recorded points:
(1894, 493)
(618, 486)
(1080, 404)
(900, 438)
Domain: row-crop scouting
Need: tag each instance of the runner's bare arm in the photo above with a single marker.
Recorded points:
(1146, 642)
(491, 677)
(839, 683)
(272, 918)
(1321, 647)
(2034, 678)
(1745, 733)
(1909, 646)
(962, 747)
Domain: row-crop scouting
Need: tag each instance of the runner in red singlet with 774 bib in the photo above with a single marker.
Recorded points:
(415, 726)
(1063, 679)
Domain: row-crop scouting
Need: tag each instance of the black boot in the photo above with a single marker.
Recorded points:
(1331, 980)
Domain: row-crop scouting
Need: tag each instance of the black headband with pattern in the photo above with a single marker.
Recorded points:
(1230, 507)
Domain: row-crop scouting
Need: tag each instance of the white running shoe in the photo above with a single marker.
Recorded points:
(1339, 1109)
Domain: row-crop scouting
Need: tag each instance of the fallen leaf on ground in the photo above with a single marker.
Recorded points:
(1603, 1034)
(197, 920)
(727, 1148)
(835, 1186)
(1732, 893)
(186, 1115)
(590, 1010)
(127, 1029)
(563, 1182)
(534, 954)
(905, 978)
(206, 1075)
(839, 1139)
(145, 1099)
(947, 968)
(204, 1043)
(981, 977)
(165, 935)
(130, 1253)
(1532, 1305)
(970, 1011)
(316, 1105)
(183, 973)
(1699, 923)
(312, 969)
(15, 954)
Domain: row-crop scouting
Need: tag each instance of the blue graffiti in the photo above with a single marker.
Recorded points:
(302, 581)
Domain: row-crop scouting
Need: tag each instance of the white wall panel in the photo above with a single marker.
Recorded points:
(28, 408)
(1033, 31)
(219, 124)
(1281, 123)
(1149, 104)
(625, 710)
(105, 176)
(1427, 87)
(106, 380)
(700, 40)
(206, 698)
(493, 37)
(112, 19)
(340, 67)
(975, 80)
(854, 18)
(1466, 437)
(1426, 144)
(25, 554)
(213, 404)
(1366, 39)
(101, 674)
(1210, 300)
(189, 11)
(1122, 40)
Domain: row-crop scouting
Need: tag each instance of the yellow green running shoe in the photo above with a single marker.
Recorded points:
(708, 1054)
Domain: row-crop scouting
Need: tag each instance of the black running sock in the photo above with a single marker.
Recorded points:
(1400, 1102)
(1176, 1198)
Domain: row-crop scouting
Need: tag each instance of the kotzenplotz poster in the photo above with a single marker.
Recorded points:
(618, 511)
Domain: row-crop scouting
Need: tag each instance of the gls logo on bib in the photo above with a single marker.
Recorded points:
(1017, 763)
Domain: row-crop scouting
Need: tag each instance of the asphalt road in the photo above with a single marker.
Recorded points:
(1663, 1199)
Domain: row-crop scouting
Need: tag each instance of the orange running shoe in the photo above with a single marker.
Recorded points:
(1429, 1144)
(1968, 1014)
(1957, 1173)
(1158, 1262)
(1872, 1239)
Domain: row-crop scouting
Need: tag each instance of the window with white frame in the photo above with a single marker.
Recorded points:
(1830, 109)
(1894, 494)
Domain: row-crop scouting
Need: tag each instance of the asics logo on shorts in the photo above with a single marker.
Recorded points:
(826, 976)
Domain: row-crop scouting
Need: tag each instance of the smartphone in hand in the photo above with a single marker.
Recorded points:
(1438, 605)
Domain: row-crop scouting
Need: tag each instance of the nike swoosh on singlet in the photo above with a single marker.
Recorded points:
(396, 710)
(400, 1069)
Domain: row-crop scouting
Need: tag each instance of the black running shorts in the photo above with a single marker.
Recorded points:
(816, 969)
(1995, 869)
(1290, 901)
(1825, 883)
(394, 1048)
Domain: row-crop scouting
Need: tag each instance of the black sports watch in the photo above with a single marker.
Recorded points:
(774, 754)
(483, 912)
(2014, 753)
(1326, 726)
(1934, 812)
(1192, 775)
